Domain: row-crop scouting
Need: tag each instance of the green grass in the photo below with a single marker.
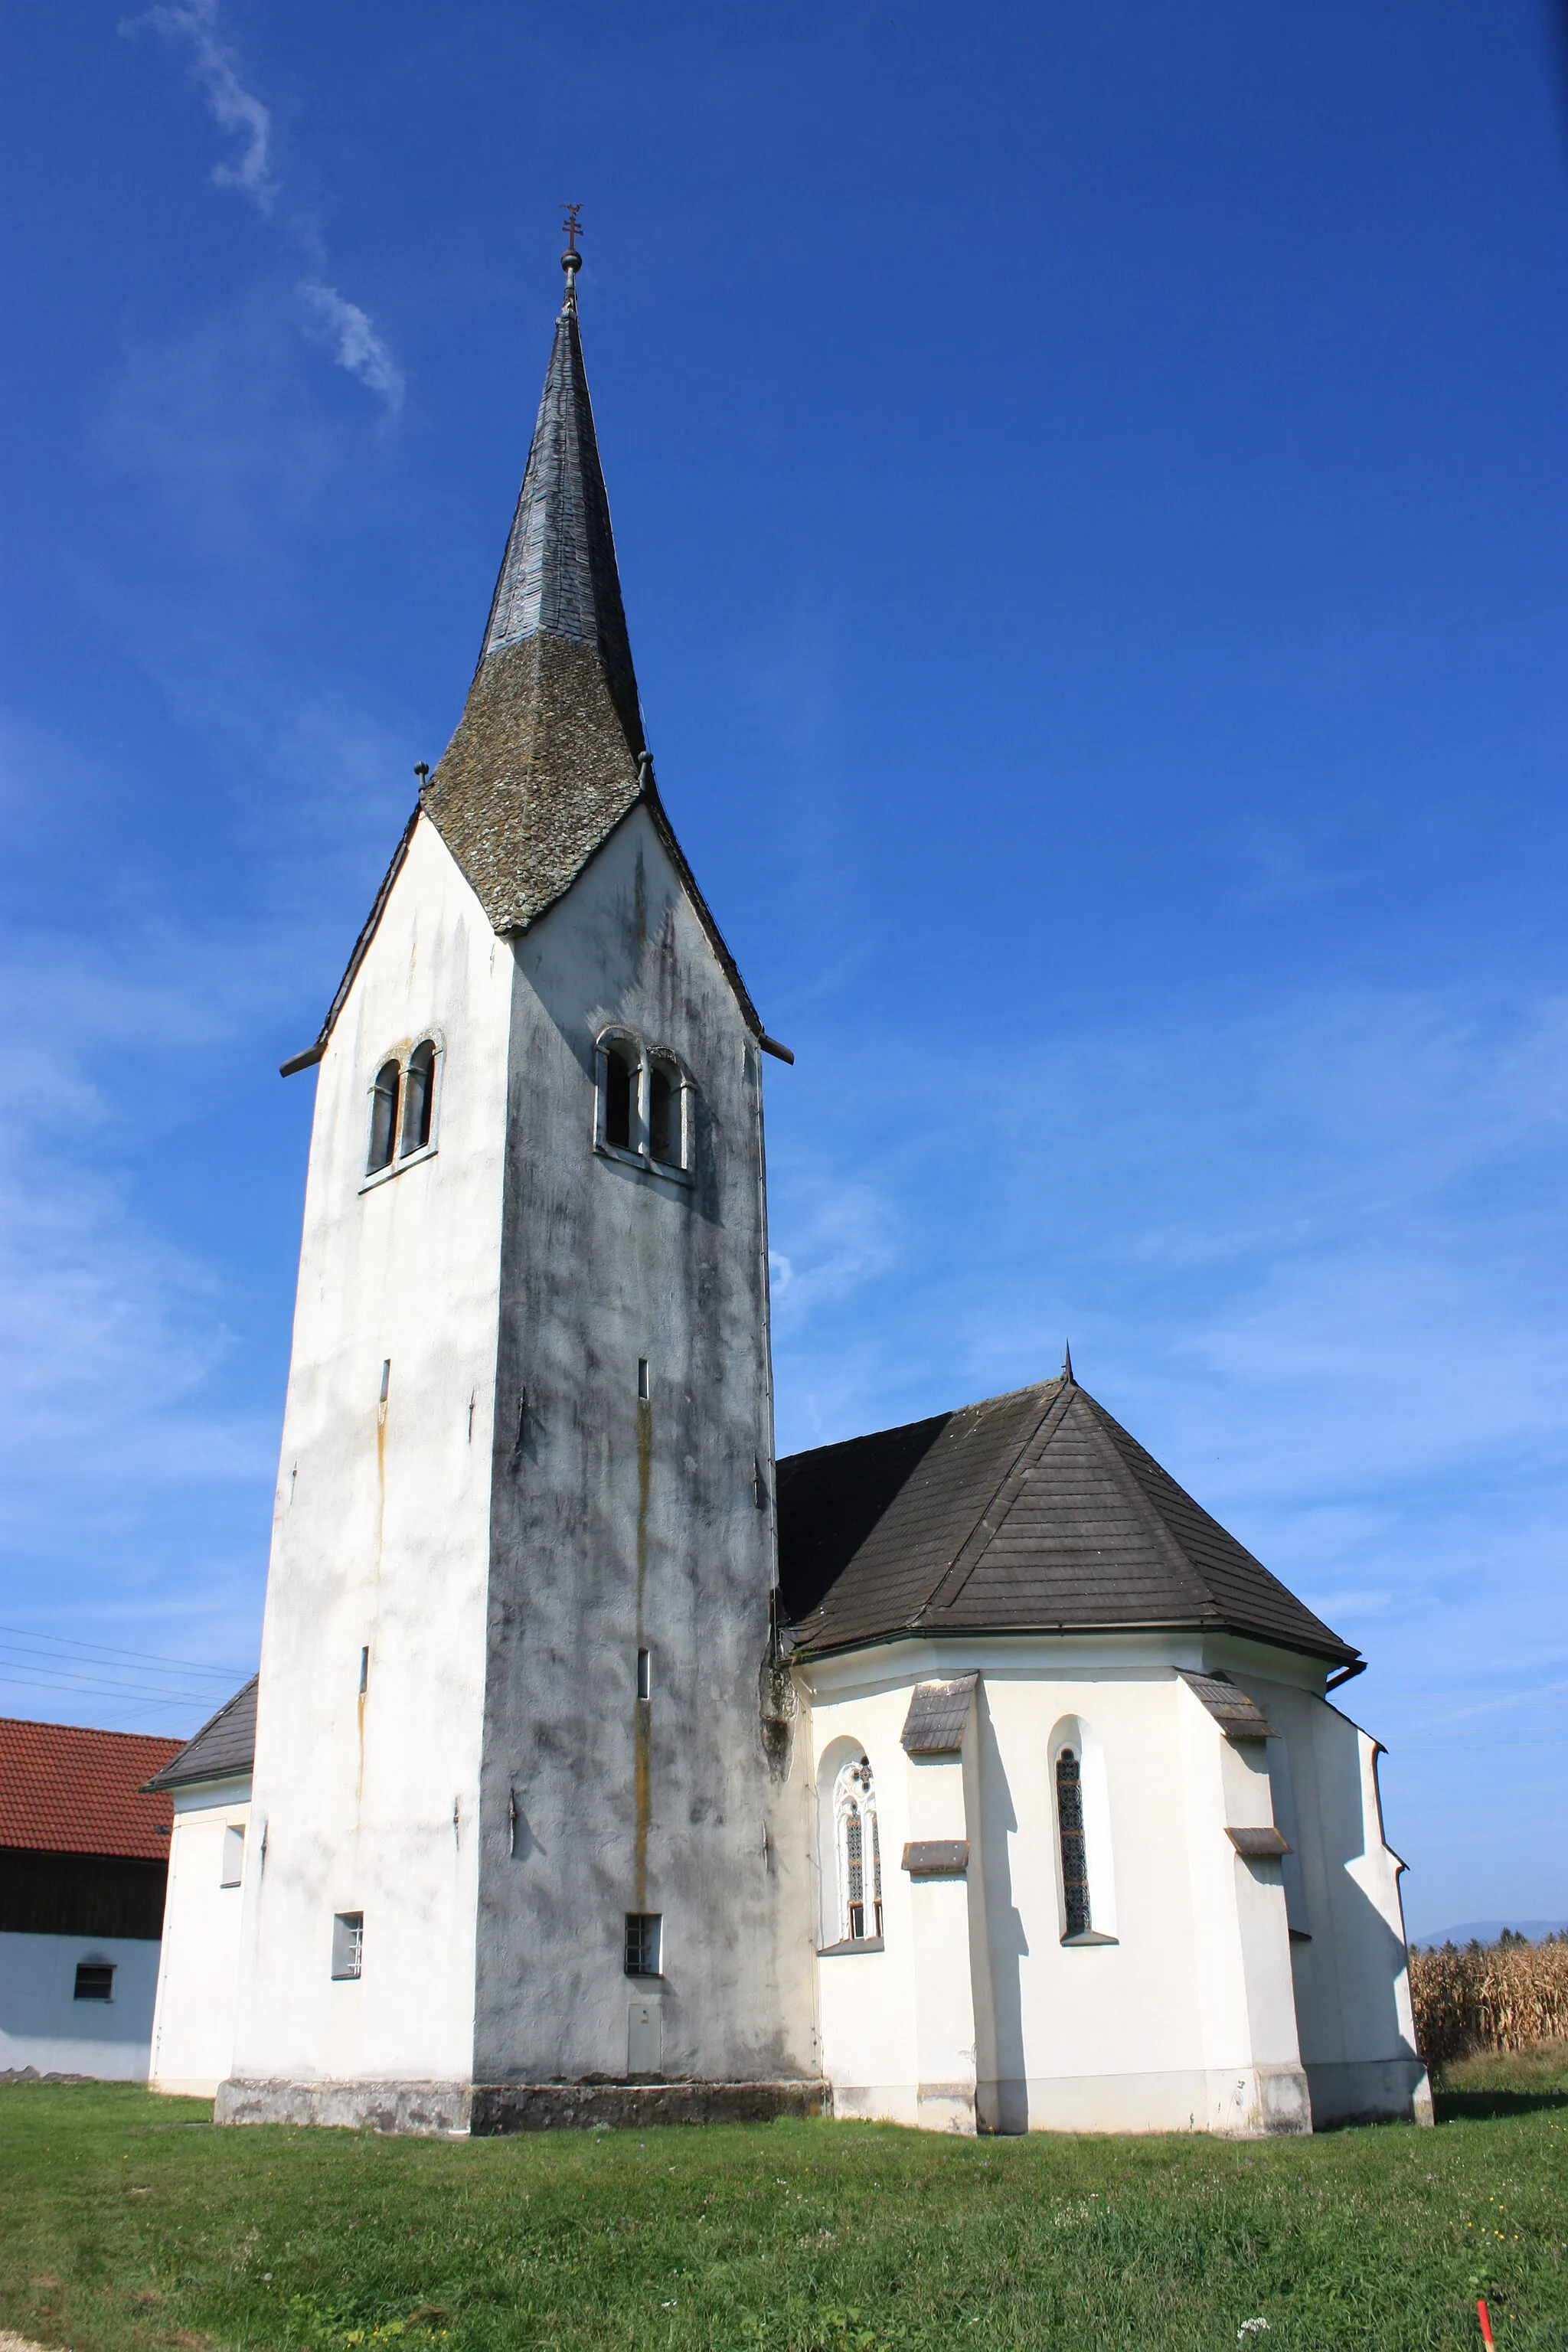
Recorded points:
(128, 2220)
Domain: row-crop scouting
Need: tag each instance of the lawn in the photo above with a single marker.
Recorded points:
(128, 2220)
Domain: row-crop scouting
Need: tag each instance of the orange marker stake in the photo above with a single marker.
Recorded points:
(1486, 2323)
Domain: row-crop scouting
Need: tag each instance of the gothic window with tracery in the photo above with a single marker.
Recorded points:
(1073, 1846)
(859, 1853)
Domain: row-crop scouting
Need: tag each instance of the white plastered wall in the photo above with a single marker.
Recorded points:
(1183, 2017)
(368, 1802)
(1350, 1968)
(198, 1969)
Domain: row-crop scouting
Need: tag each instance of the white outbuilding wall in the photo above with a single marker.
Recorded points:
(42, 2025)
(193, 2027)
(1185, 2008)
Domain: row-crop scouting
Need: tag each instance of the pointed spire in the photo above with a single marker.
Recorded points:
(1067, 1364)
(558, 577)
(548, 756)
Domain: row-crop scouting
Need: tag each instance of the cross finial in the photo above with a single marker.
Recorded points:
(572, 260)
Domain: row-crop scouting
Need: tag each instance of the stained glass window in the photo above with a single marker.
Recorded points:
(860, 1854)
(1075, 1857)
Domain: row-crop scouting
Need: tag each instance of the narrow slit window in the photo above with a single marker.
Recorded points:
(419, 1098)
(1073, 1846)
(620, 1082)
(383, 1117)
(645, 1675)
(644, 1392)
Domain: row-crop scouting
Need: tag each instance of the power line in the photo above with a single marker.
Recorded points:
(100, 1650)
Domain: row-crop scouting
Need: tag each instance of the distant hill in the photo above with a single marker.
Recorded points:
(1487, 1931)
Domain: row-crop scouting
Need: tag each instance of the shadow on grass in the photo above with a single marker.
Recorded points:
(1486, 2105)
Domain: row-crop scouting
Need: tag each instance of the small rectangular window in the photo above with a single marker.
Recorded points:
(645, 1942)
(233, 1855)
(94, 1980)
(364, 1670)
(642, 1379)
(348, 1944)
(645, 1674)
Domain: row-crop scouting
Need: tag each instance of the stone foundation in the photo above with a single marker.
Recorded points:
(485, 2110)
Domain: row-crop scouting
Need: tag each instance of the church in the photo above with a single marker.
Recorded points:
(604, 1768)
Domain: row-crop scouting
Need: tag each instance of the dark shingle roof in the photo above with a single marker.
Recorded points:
(1034, 1511)
(548, 757)
(222, 1750)
(66, 1790)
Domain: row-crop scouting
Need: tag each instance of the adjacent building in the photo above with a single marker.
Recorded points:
(84, 1856)
(209, 1784)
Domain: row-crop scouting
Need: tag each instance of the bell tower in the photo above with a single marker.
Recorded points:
(531, 1836)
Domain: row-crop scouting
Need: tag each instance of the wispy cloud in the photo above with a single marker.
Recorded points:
(342, 327)
(233, 107)
(356, 345)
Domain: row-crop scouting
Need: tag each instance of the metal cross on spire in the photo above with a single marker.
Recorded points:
(572, 260)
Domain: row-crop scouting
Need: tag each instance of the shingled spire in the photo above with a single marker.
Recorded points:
(545, 760)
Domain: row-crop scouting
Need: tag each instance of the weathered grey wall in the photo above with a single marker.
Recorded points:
(615, 1525)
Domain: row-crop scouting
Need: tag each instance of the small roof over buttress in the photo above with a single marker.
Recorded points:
(1033, 1512)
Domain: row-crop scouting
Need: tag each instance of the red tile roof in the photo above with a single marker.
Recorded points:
(66, 1791)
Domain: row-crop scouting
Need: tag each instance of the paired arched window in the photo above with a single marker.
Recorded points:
(643, 1104)
(402, 1109)
(859, 1853)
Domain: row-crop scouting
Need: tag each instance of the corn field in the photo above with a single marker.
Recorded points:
(1501, 1996)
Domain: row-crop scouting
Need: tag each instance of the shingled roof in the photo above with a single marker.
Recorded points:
(1032, 1512)
(222, 1750)
(548, 757)
(67, 1789)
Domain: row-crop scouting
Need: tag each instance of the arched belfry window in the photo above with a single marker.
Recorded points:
(641, 1096)
(419, 1098)
(859, 1853)
(664, 1107)
(384, 1116)
(1073, 1843)
(619, 1091)
(403, 1107)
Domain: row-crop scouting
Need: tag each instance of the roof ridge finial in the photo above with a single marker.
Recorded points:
(1067, 1364)
(572, 260)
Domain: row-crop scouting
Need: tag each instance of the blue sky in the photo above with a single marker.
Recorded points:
(1091, 492)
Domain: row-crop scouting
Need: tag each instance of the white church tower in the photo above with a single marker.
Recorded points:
(529, 1839)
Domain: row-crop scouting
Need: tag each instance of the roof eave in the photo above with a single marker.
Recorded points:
(1337, 1656)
